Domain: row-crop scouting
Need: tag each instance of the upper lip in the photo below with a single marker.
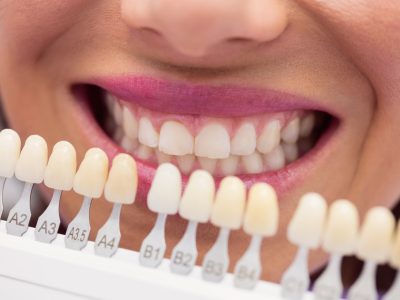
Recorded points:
(195, 99)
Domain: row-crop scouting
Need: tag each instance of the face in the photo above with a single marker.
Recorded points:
(300, 94)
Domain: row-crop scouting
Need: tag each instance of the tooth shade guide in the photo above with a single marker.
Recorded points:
(153, 246)
(20, 215)
(304, 230)
(376, 235)
(61, 167)
(96, 277)
(229, 204)
(341, 230)
(165, 191)
(374, 244)
(92, 174)
(163, 198)
(262, 213)
(308, 222)
(122, 181)
(10, 145)
(329, 285)
(247, 270)
(216, 261)
(77, 234)
(260, 220)
(223, 232)
(340, 236)
(59, 175)
(31, 164)
(89, 182)
(30, 168)
(120, 188)
(227, 214)
(185, 253)
(195, 206)
(109, 235)
(47, 226)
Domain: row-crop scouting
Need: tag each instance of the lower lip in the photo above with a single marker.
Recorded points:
(283, 180)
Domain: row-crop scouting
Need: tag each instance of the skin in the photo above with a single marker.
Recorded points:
(340, 53)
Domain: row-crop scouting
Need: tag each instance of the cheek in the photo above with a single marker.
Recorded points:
(22, 40)
(23, 44)
(368, 31)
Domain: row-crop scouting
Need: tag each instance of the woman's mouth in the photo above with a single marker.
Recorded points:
(256, 135)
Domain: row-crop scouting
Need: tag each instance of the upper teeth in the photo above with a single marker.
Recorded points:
(290, 134)
(213, 144)
(270, 137)
(130, 124)
(245, 140)
(147, 134)
(175, 139)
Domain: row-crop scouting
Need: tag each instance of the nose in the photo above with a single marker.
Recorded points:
(193, 27)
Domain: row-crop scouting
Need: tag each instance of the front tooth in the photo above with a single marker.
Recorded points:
(270, 137)
(165, 190)
(143, 152)
(229, 203)
(147, 134)
(275, 160)
(10, 145)
(207, 164)
(245, 140)
(32, 161)
(117, 113)
(185, 163)
(341, 228)
(376, 235)
(129, 124)
(175, 139)
(228, 166)
(291, 152)
(92, 174)
(162, 157)
(253, 163)
(198, 197)
(307, 224)
(213, 142)
(122, 181)
(290, 134)
(262, 213)
(307, 125)
(61, 168)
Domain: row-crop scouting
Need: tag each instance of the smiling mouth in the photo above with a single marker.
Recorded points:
(251, 136)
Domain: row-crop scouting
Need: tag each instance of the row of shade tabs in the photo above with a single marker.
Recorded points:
(336, 228)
